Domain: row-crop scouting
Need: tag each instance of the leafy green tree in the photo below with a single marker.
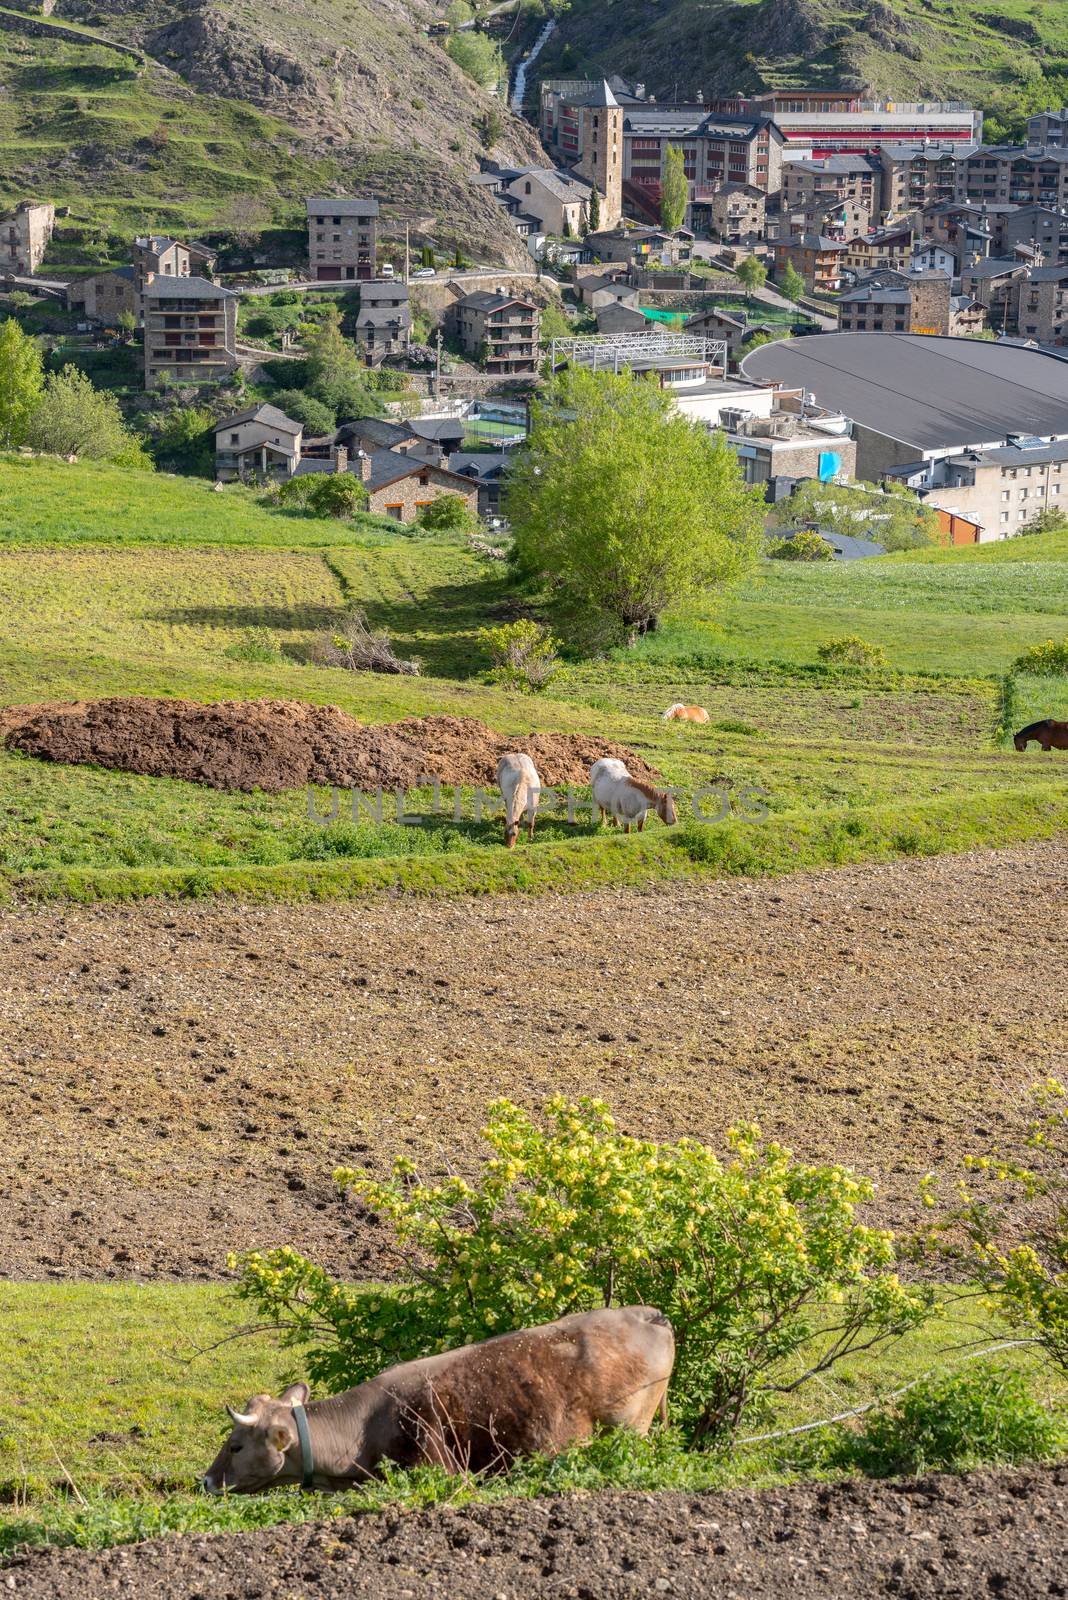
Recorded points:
(763, 336)
(674, 190)
(127, 324)
(791, 284)
(753, 275)
(183, 440)
(335, 375)
(311, 413)
(492, 128)
(459, 12)
(888, 513)
(74, 418)
(476, 54)
(805, 545)
(553, 323)
(21, 384)
(624, 505)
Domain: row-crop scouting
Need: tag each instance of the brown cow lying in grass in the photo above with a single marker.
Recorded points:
(477, 1408)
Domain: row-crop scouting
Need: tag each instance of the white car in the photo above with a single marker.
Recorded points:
(424, 272)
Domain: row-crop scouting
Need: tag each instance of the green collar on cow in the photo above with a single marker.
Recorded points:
(300, 1417)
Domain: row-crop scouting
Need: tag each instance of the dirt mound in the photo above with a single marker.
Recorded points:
(286, 744)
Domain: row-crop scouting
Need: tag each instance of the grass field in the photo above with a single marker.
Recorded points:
(94, 1462)
(117, 583)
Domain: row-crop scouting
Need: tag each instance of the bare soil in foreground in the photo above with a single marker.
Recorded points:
(985, 1534)
(177, 1081)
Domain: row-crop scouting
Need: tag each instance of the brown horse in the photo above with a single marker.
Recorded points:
(680, 713)
(1049, 734)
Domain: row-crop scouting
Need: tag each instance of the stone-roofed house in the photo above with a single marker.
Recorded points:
(260, 443)
(558, 201)
(500, 329)
(190, 330)
(161, 257)
(398, 485)
(816, 257)
(342, 238)
(24, 234)
(384, 320)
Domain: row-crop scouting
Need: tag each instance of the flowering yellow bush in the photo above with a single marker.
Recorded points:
(745, 1254)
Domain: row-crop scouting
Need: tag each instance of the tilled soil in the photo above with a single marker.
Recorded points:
(180, 1081)
(286, 744)
(985, 1534)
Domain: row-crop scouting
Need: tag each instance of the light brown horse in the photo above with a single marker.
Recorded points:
(680, 713)
(1049, 734)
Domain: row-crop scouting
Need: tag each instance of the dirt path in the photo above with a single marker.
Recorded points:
(178, 1081)
(987, 1534)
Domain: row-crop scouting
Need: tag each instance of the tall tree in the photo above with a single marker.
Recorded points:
(791, 283)
(593, 215)
(753, 275)
(335, 375)
(674, 190)
(624, 505)
(74, 418)
(21, 383)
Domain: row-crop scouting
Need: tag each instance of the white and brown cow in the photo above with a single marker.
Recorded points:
(536, 1391)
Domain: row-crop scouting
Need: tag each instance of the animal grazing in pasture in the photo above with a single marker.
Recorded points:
(625, 799)
(536, 1391)
(680, 713)
(518, 781)
(1049, 734)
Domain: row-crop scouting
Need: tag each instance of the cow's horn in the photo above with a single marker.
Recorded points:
(244, 1419)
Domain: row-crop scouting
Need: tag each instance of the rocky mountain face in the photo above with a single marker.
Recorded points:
(358, 81)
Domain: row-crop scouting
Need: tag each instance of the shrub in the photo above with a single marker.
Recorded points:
(523, 654)
(255, 644)
(743, 1254)
(314, 417)
(1047, 660)
(848, 649)
(335, 494)
(356, 648)
(806, 545)
(448, 513)
(977, 1416)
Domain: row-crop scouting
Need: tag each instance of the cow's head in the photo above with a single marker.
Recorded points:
(254, 1456)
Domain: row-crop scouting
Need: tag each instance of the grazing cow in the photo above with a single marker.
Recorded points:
(518, 781)
(680, 713)
(532, 1392)
(627, 800)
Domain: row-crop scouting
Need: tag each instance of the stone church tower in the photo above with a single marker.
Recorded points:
(600, 141)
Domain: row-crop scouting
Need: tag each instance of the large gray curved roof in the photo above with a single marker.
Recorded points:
(929, 392)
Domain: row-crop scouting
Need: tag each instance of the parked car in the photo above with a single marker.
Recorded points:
(386, 271)
(424, 272)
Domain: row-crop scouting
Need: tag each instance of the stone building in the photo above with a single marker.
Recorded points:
(736, 212)
(190, 330)
(342, 239)
(599, 121)
(261, 443)
(499, 329)
(159, 257)
(107, 295)
(384, 320)
(24, 235)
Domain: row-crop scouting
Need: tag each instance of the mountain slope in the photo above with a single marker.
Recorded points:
(242, 110)
(1008, 56)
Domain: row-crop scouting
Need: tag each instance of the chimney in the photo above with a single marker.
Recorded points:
(150, 277)
(341, 458)
(443, 462)
(364, 458)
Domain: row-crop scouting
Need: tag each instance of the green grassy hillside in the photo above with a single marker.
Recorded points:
(114, 582)
(1007, 56)
(234, 114)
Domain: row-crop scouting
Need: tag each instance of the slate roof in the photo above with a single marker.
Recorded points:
(269, 415)
(340, 206)
(601, 96)
(164, 287)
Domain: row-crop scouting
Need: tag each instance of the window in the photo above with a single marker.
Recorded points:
(396, 512)
(1004, 516)
(235, 438)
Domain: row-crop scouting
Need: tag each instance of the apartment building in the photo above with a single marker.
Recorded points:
(24, 235)
(1000, 488)
(716, 150)
(885, 247)
(342, 239)
(1048, 129)
(1042, 305)
(1012, 175)
(916, 303)
(500, 329)
(384, 320)
(993, 282)
(190, 330)
(850, 181)
(736, 213)
(816, 257)
(1043, 229)
(914, 176)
